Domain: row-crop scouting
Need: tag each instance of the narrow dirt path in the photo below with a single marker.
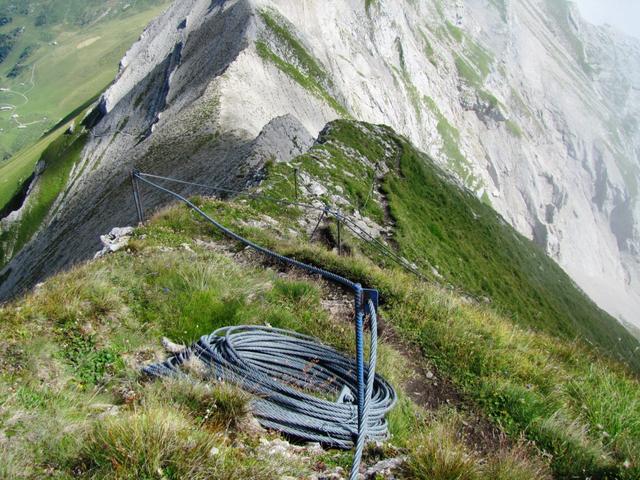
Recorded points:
(426, 386)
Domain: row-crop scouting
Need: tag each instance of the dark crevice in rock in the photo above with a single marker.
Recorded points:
(540, 233)
(17, 201)
(159, 102)
(550, 213)
(4, 275)
(96, 115)
(493, 173)
(216, 3)
(601, 185)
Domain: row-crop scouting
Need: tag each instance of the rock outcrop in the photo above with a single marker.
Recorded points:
(532, 108)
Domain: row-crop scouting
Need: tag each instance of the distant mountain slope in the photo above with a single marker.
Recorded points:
(451, 235)
(57, 54)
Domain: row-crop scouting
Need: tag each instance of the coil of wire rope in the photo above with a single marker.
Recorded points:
(290, 377)
(278, 405)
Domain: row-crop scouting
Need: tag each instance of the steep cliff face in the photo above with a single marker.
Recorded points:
(530, 107)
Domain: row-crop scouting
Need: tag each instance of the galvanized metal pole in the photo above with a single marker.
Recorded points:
(339, 234)
(324, 213)
(136, 196)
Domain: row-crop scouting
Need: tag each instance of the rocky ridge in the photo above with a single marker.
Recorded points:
(528, 105)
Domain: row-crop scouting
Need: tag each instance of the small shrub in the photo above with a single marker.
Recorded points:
(90, 363)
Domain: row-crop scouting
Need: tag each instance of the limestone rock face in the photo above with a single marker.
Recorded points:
(117, 239)
(532, 108)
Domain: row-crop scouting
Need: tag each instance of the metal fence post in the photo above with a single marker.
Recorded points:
(324, 213)
(136, 196)
(339, 234)
(359, 324)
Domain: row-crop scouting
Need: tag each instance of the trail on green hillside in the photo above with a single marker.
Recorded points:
(300, 415)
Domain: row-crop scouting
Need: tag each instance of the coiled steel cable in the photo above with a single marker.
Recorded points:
(286, 372)
(270, 363)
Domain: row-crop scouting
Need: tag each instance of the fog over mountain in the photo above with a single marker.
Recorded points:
(621, 14)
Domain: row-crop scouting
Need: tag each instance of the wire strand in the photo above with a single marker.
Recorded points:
(349, 222)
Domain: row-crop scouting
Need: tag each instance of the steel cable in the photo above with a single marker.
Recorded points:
(278, 365)
(291, 376)
(349, 222)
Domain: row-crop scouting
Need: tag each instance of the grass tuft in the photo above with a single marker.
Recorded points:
(156, 443)
(517, 464)
(218, 407)
(438, 453)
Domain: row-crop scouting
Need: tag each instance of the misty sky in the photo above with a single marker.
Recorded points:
(623, 14)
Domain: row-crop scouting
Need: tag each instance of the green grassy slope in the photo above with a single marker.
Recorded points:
(59, 152)
(20, 168)
(455, 239)
(299, 64)
(473, 248)
(75, 49)
(15, 172)
(70, 352)
(74, 405)
(70, 51)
